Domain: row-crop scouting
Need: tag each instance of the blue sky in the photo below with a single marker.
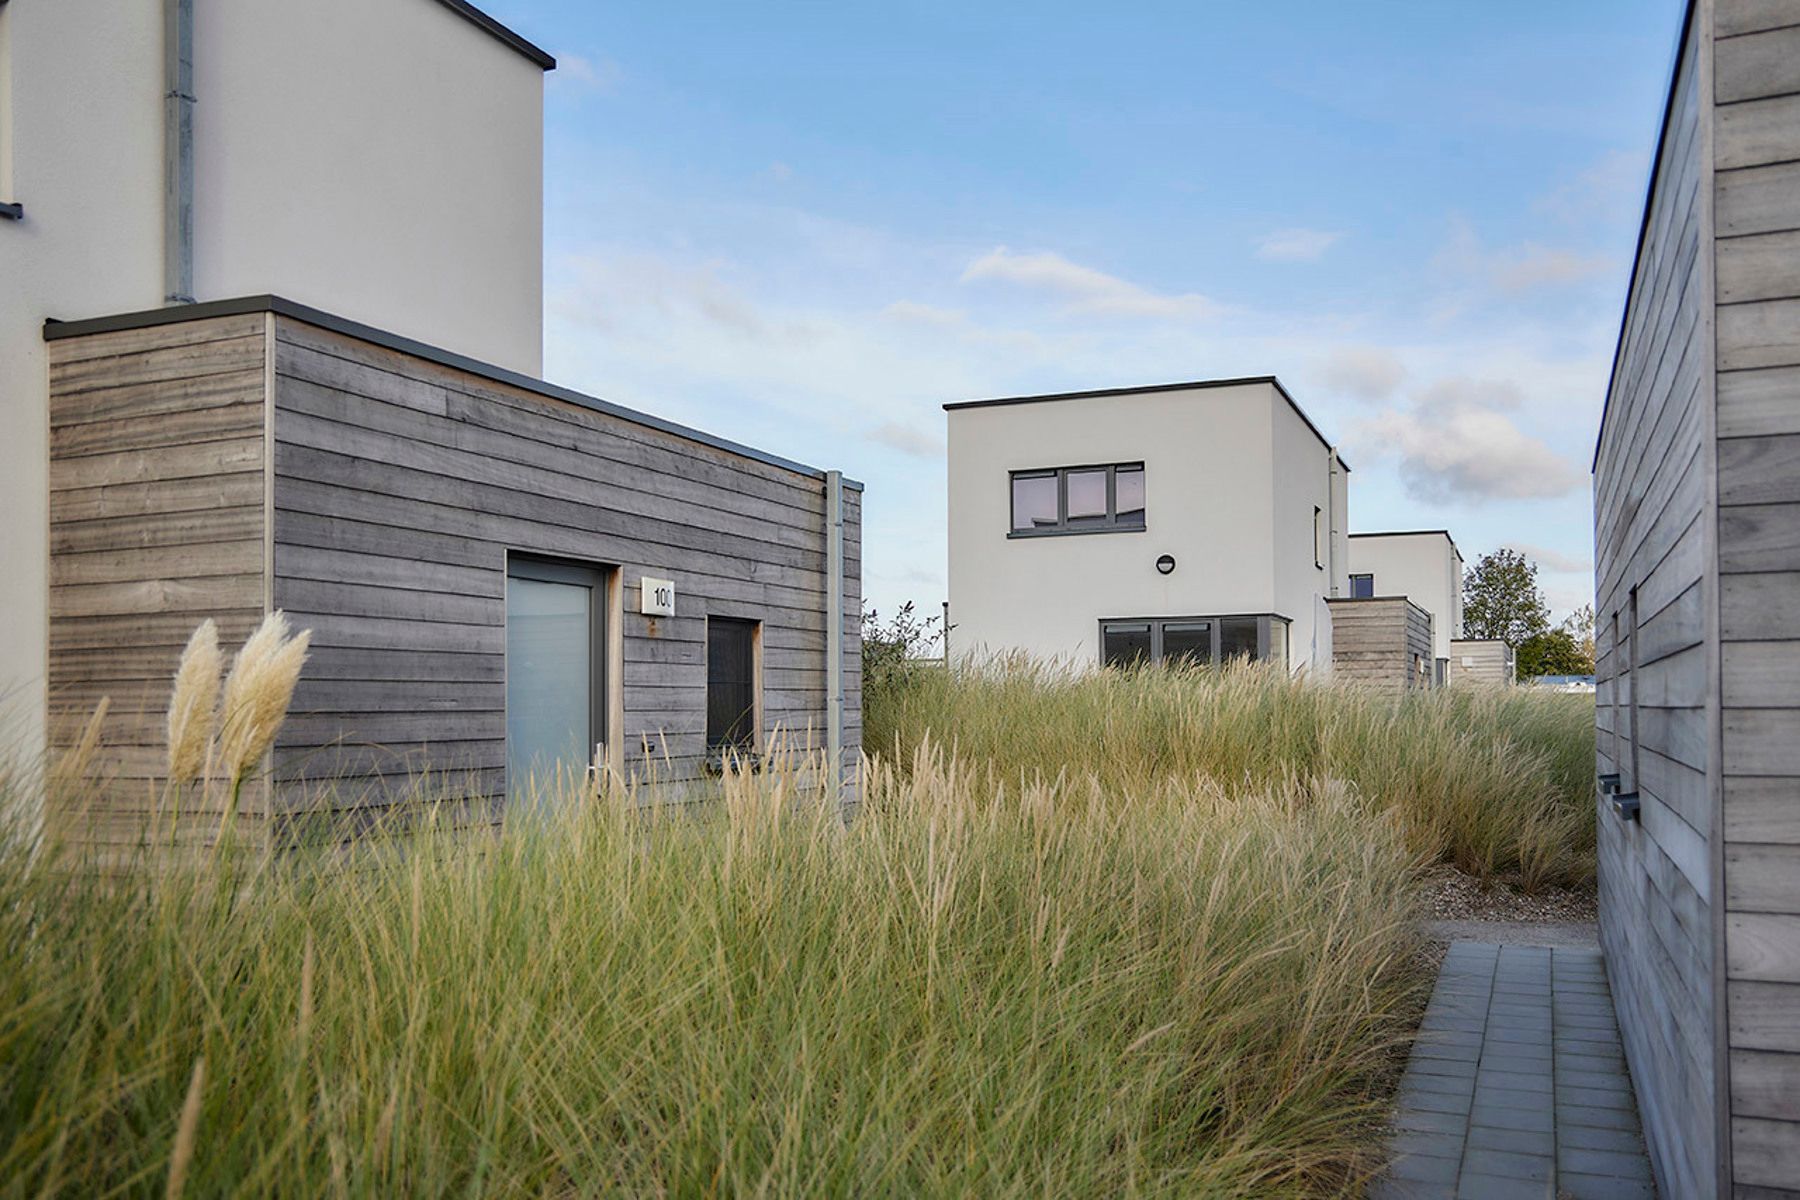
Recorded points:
(807, 226)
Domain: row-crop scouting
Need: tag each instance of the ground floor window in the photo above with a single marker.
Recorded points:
(731, 685)
(1201, 640)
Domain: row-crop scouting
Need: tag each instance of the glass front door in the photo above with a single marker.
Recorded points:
(554, 672)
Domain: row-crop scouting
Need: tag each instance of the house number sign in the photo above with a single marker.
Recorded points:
(659, 597)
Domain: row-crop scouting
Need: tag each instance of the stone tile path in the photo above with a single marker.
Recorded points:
(1517, 1086)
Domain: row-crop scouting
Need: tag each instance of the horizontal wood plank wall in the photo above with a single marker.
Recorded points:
(156, 523)
(1480, 662)
(1757, 201)
(1651, 510)
(1380, 641)
(400, 486)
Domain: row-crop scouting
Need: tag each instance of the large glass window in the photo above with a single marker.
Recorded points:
(1125, 643)
(1197, 640)
(1098, 499)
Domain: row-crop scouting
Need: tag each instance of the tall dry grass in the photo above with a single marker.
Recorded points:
(974, 988)
(1498, 782)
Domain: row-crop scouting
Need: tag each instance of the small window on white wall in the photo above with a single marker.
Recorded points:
(9, 206)
(1318, 536)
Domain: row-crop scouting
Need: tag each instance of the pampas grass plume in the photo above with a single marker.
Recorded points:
(194, 704)
(257, 693)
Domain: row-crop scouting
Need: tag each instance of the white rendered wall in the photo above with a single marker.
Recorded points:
(380, 159)
(1210, 476)
(1425, 568)
(84, 131)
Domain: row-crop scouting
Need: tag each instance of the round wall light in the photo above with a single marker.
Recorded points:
(1165, 565)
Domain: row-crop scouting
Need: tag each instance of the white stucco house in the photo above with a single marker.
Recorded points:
(1423, 565)
(1200, 520)
(382, 159)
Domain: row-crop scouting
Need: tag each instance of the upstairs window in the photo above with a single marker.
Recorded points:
(10, 209)
(1362, 587)
(1097, 499)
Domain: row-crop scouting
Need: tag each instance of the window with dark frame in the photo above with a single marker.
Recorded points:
(1201, 641)
(1318, 537)
(1105, 498)
(730, 684)
(10, 209)
(1362, 587)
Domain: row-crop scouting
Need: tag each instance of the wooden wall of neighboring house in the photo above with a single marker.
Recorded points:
(157, 453)
(1384, 641)
(1480, 662)
(1756, 189)
(1653, 541)
(400, 485)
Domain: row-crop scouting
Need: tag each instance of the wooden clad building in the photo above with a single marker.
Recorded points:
(1481, 661)
(480, 558)
(1382, 640)
(1697, 555)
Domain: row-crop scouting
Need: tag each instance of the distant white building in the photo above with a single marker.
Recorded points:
(1200, 520)
(1422, 565)
(380, 159)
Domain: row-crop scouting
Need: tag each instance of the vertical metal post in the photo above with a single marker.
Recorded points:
(946, 632)
(178, 151)
(834, 630)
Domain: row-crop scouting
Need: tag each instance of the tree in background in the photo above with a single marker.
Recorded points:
(1501, 600)
(1553, 652)
(1580, 625)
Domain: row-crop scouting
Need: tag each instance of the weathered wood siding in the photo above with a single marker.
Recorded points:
(157, 455)
(1481, 662)
(1697, 512)
(1384, 641)
(400, 486)
(1653, 522)
(1756, 189)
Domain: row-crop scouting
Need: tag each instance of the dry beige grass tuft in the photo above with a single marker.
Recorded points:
(194, 705)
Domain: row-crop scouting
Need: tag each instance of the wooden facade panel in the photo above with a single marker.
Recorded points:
(1760, 674)
(1762, 879)
(401, 487)
(1758, 199)
(1758, 403)
(1752, 65)
(1733, 17)
(1753, 132)
(1763, 946)
(1764, 1016)
(1761, 741)
(1763, 1153)
(1759, 537)
(1762, 809)
(1765, 333)
(1760, 470)
(1759, 607)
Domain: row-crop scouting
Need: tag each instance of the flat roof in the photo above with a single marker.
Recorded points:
(175, 314)
(1443, 533)
(1190, 385)
(499, 32)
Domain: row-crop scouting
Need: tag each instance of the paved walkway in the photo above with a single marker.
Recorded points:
(1516, 1086)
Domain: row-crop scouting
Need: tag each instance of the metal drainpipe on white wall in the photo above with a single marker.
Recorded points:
(834, 631)
(178, 151)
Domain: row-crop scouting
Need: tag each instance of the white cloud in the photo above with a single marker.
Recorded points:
(1515, 269)
(1296, 245)
(907, 440)
(1613, 184)
(1552, 560)
(1086, 289)
(1458, 443)
(613, 291)
(1365, 372)
(575, 71)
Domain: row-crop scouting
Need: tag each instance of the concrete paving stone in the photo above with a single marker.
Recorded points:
(1424, 1168)
(1492, 1187)
(1424, 1065)
(1516, 1141)
(1440, 1102)
(1526, 1057)
(1418, 1121)
(1467, 1054)
(1597, 1047)
(1409, 1189)
(1586, 1137)
(1601, 1187)
(1610, 1097)
(1603, 1162)
(1499, 1116)
(1431, 1145)
(1602, 1023)
(1508, 1097)
(1574, 1077)
(1458, 1085)
(1449, 1037)
(1508, 1165)
(1537, 1085)
(1595, 1118)
(1472, 1023)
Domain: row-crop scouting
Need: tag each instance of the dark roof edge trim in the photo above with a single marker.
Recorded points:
(1445, 533)
(1637, 255)
(481, 20)
(55, 330)
(1190, 385)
